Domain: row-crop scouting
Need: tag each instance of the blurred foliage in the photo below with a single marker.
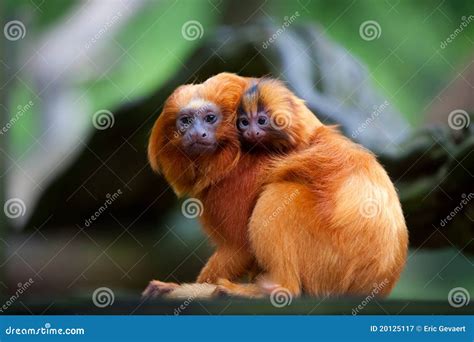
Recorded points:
(149, 52)
(49, 12)
(23, 136)
(409, 45)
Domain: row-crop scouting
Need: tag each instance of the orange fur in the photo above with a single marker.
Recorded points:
(342, 233)
(225, 182)
(312, 229)
(293, 122)
(304, 197)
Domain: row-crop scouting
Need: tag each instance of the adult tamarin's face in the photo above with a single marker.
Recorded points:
(199, 119)
(194, 142)
(205, 114)
(197, 123)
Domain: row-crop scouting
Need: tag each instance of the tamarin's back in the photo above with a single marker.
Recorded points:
(346, 224)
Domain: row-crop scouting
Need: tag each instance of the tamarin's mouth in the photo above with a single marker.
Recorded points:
(199, 147)
(199, 143)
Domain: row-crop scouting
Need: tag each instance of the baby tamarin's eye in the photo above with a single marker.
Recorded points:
(262, 120)
(243, 122)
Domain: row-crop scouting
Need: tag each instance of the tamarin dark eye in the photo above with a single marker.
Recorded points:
(262, 120)
(243, 122)
(210, 118)
(186, 120)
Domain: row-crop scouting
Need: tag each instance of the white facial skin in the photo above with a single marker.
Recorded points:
(197, 124)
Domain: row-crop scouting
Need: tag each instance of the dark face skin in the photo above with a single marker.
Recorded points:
(254, 127)
(197, 126)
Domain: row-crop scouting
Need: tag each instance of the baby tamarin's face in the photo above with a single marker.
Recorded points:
(253, 119)
(273, 119)
(264, 116)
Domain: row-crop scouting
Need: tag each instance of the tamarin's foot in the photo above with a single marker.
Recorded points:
(227, 288)
(266, 285)
(158, 288)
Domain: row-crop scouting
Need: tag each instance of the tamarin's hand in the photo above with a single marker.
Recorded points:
(158, 288)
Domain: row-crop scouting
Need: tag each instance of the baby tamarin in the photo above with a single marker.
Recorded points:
(195, 144)
(328, 221)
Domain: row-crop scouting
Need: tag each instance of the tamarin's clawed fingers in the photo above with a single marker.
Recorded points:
(158, 288)
(315, 211)
(223, 288)
(227, 288)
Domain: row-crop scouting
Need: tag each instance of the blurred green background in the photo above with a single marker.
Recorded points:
(73, 59)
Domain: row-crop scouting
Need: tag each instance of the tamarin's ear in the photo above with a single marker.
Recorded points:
(154, 145)
(164, 130)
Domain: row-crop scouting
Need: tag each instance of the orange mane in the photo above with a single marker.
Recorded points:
(191, 176)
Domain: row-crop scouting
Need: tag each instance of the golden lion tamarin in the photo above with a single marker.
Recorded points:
(195, 145)
(324, 216)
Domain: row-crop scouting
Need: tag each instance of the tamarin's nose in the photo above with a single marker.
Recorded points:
(254, 135)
